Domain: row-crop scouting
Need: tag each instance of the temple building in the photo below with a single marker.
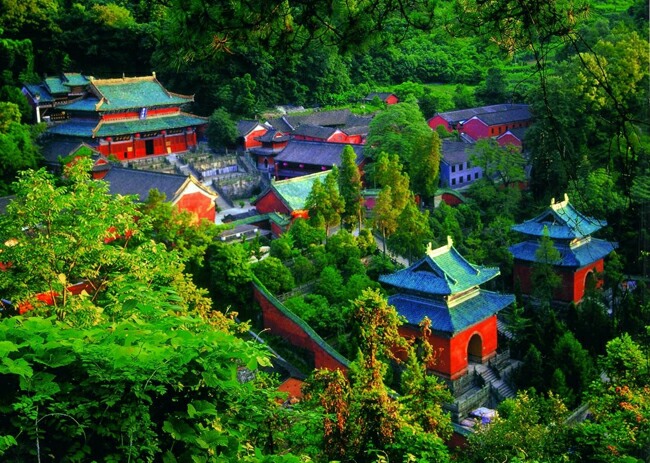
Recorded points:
(444, 287)
(582, 257)
(129, 118)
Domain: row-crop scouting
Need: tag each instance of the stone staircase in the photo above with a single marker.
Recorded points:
(496, 382)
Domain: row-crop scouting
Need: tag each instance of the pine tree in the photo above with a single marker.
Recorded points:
(350, 186)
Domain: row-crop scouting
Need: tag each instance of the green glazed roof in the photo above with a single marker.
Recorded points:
(136, 93)
(89, 129)
(294, 191)
(75, 80)
(441, 272)
(148, 125)
(55, 85)
(563, 222)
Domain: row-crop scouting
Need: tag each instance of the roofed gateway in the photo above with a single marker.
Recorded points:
(581, 255)
(444, 287)
(129, 118)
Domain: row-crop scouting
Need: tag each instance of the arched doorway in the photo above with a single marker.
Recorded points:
(475, 349)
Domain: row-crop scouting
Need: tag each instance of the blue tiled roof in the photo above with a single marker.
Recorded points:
(85, 104)
(149, 125)
(579, 256)
(81, 128)
(75, 128)
(40, 90)
(563, 221)
(442, 271)
(450, 320)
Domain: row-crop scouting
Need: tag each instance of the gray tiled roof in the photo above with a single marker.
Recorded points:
(315, 131)
(272, 135)
(455, 152)
(139, 182)
(504, 117)
(316, 153)
(465, 114)
(244, 127)
(383, 96)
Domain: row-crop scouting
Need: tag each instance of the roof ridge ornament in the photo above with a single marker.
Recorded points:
(555, 206)
(441, 250)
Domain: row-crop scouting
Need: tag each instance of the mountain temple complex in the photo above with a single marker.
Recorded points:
(582, 257)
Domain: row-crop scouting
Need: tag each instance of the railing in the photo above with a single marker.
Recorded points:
(298, 291)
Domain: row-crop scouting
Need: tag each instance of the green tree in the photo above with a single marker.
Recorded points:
(361, 419)
(222, 130)
(230, 273)
(350, 187)
(502, 165)
(527, 429)
(426, 166)
(330, 285)
(544, 279)
(18, 150)
(324, 202)
(495, 88)
(384, 216)
(411, 233)
(575, 363)
(620, 428)
(274, 275)
(400, 129)
(304, 236)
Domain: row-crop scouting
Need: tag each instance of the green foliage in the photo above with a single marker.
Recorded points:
(544, 279)
(230, 273)
(304, 236)
(325, 203)
(400, 129)
(150, 387)
(274, 275)
(426, 166)
(412, 232)
(502, 165)
(222, 130)
(282, 248)
(18, 150)
(361, 419)
(619, 430)
(330, 285)
(350, 187)
(529, 428)
(303, 270)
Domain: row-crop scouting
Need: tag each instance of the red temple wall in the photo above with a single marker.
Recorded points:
(199, 204)
(509, 138)
(435, 121)
(250, 140)
(572, 288)
(281, 325)
(451, 357)
(271, 203)
(392, 99)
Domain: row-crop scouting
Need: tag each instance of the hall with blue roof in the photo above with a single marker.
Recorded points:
(581, 255)
(444, 288)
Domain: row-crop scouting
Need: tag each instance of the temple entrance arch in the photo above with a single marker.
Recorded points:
(475, 349)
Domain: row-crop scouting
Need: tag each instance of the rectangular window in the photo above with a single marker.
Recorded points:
(475, 175)
(460, 167)
(469, 178)
(453, 181)
(460, 179)
(468, 166)
(453, 168)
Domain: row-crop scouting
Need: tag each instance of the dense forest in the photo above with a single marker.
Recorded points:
(154, 360)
